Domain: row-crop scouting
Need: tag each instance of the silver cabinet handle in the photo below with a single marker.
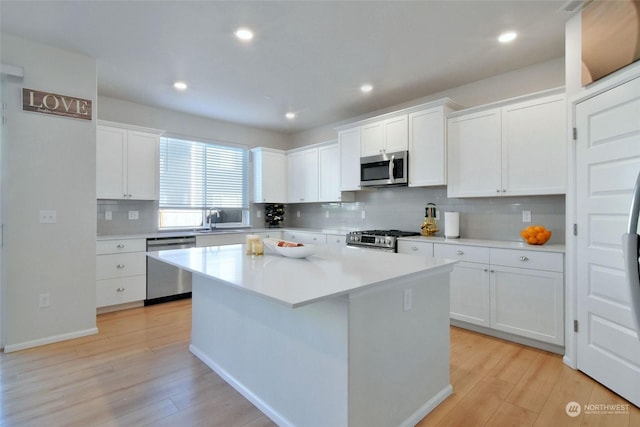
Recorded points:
(492, 271)
(120, 266)
(459, 252)
(524, 258)
(485, 270)
(120, 246)
(414, 248)
(497, 190)
(504, 190)
(120, 289)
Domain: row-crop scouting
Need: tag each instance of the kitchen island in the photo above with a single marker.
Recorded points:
(346, 337)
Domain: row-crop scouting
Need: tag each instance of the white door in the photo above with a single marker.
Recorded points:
(607, 164)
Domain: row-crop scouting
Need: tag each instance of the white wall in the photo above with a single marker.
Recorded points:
(545, 75)
(48, 163)
(181, 124)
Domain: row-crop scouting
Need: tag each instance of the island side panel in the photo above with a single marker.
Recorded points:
(398, 360)
(291, 363)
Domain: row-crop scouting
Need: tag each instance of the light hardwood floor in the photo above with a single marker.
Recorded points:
(138, 371)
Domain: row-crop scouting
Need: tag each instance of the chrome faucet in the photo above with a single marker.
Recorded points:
(212, 212)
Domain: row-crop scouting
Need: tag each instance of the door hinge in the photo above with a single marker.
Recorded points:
(575, 326)
(575, 229)
(575, 134)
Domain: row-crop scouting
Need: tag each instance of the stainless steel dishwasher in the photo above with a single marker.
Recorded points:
(166, 282)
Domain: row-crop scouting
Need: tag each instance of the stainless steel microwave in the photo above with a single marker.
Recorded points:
(384, 169)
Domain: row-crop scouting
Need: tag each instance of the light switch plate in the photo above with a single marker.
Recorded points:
(134, 214)
(48, 217)
(363, 215)
(526, 216)
(108, 215)
(258, 213)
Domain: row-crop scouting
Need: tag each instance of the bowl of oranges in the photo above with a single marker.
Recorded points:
(535, 235)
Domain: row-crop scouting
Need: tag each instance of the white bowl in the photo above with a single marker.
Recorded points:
(290, 251)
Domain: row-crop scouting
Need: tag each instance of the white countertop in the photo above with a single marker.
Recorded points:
(329, 273)
(503, 244)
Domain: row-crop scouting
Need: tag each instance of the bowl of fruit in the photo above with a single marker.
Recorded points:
(289, 249)
(535, 235)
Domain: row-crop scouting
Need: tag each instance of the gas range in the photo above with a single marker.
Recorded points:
(386, 240)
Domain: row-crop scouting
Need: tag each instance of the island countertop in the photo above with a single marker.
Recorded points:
(329, 273)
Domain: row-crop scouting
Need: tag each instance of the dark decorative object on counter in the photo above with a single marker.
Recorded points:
(273, 215)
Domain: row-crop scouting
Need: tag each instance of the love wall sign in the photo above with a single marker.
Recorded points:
(57, 105)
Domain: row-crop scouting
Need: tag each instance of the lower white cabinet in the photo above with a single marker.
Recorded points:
(220, 239)
(121, 271)
(520, 292)
(274, 234)
(304, 237)
(336, 239)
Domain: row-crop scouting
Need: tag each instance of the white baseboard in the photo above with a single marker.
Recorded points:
(49, 340)
(429, 406)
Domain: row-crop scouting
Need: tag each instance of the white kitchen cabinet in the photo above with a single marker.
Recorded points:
(220, 239)
(527, 294)
(388, 135)
(329, 173)
(127, 163)
(470, 286)
(121, 271)
(412, 247)
(269, 175)
(304, 237)
(428, 145)
(271, 234)
(349, 141)
(336, 239)
(513, 149)
(303, 176)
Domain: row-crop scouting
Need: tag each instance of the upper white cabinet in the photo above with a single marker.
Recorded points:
(269, 175)
(388, 135)
(127, 162)
(349, 141)
(329, 173)
(428, 144)
(513, 149)
(303, 176)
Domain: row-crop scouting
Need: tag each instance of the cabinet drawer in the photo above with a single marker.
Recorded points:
(112, 266)
(415, 248)
(550, 261)
(270, 234)
(461, 252)
(304, 237)
(121, 290)
(120, 246)
(336, 239)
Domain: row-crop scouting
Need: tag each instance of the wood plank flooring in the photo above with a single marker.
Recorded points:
(138, 372)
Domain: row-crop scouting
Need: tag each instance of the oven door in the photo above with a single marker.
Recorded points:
(384, 169)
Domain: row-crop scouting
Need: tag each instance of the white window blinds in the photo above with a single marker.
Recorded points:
(199, 175)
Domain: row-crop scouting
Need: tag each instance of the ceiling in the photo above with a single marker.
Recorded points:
(309, 57)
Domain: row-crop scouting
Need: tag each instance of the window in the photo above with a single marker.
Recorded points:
(202, 182)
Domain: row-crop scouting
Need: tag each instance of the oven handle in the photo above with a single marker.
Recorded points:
(392, 166)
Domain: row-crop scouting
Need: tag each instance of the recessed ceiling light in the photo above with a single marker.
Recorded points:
(290, 115)
(366, 88)
(507, 37)
(244, 34)
(180, 85)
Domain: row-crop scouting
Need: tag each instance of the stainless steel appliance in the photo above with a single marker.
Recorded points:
(631, 251)
(166, 282)
(385, 169)
(382, 240)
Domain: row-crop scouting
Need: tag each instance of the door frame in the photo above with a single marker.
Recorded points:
(571, 263)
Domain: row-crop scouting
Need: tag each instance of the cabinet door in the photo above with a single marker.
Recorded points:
(373, 136)
(269, 176)
(110, 160)
(528, 303)
(295, 178)
(415, 248)
(534, 147)
(349, 141)
(474, 155)
(470, 293)
(142, 165)
(396, 134)
(304, 237)
(329, 173)
(427, 148)
(310, 175)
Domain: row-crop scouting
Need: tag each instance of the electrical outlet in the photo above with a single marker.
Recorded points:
(134, 214)
(298, 214)
(44, 300)
(437, 215)
(48, 217)
(407, 299)
(108, 215)
(526, 216)
(363, 215)
(326, 214)
(258, 213)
